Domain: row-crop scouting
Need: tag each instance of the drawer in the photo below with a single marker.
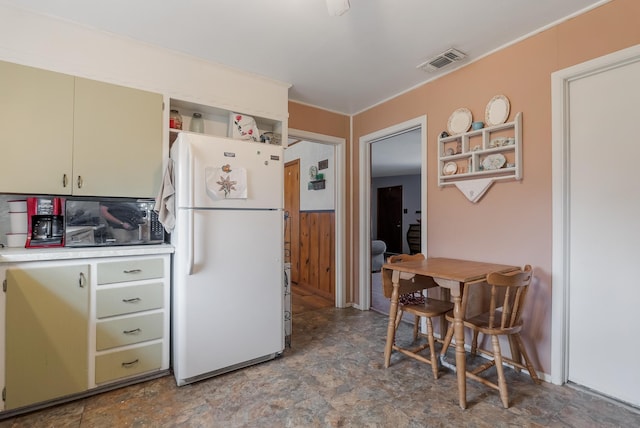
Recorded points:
(117, 365)
(130, 270)
(127, 331)
(127, 300)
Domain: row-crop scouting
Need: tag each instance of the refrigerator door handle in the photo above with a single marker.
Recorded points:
(191, 245)
(190, 174)
(190, 233)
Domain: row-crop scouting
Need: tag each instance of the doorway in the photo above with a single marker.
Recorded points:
(595, 207)
(389, 227)
(338, 183)
(367, 166)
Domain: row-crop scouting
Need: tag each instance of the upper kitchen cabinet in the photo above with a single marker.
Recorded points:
(67, 135)
(117, 149)
(36, 118)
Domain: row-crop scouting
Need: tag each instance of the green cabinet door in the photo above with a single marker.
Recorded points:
(46, 333)
(36, 119)
(117, 147)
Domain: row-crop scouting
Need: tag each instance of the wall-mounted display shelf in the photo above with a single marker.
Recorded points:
(217, 121)
(493, 152)
(316, 185)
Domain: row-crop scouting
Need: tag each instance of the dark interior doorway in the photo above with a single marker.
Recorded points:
(389, 227)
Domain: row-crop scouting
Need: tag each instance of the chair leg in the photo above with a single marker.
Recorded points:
(398, 318)
(416, 326)
(525, 356)
(515, 351)
(502, 382)
(447, 340)
(474, 343)
(432, 348)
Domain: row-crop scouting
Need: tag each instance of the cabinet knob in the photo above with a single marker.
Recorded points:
(79, 182)
(64, 180)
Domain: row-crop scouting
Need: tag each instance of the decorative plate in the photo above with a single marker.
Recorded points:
(449, 168)
(459, 121)
(495, 161)
(497, 110)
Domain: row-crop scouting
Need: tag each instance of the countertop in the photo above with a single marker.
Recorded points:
(11, 255)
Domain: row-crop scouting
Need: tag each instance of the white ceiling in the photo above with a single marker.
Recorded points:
(342, 63)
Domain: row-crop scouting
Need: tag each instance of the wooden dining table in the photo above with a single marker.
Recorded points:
(450, 274)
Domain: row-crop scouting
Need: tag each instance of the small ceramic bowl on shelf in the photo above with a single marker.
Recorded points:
(497, 142)
(477, 125)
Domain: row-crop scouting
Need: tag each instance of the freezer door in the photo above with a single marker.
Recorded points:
(216, 172)
(229, 310)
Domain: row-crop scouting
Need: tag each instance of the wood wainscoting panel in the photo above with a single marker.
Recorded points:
(317, 252)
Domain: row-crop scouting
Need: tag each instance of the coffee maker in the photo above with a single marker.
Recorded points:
(45, 216)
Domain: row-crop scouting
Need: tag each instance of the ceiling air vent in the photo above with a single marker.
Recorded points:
(442, 60)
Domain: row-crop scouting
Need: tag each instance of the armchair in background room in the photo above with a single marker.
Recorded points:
(377, 255)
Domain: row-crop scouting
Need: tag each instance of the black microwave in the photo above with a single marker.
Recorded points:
(111, 221)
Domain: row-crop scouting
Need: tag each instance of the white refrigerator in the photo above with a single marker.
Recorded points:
(227, 289)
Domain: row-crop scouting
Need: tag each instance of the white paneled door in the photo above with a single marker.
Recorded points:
(604, 232)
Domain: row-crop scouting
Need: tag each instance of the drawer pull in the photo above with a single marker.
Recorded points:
(134, 300)
(132, 271)
(82, 280)
(134, 331)
(130, 363)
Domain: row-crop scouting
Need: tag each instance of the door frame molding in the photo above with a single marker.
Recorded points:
(561, 158)
(364, 180)
(287, 164)
(340, 188)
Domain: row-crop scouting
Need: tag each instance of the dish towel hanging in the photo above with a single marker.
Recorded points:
(165, 201)
(474, 189)
(226, 183)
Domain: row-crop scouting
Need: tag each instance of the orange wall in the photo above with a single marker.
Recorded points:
(311, 119)
(512, 222)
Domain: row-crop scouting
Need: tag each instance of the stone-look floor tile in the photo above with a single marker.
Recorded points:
(334, 376)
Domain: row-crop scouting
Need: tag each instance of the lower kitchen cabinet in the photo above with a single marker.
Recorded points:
(130, 312)
(47, 333)
(82, 325)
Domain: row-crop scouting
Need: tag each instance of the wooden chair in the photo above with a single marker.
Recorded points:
(419, 306)
(508, 293)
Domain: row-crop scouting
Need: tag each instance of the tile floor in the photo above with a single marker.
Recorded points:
(333, 377)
